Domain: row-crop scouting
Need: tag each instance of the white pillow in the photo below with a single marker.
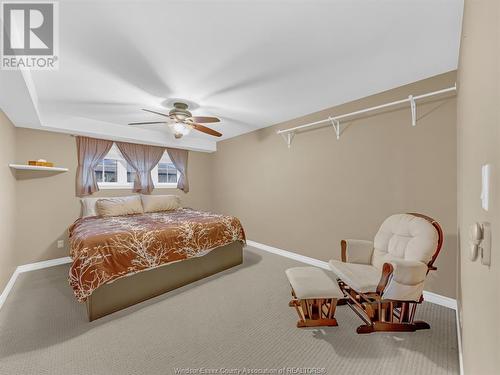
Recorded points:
(89, 205)
(119, 206)
(157, 203)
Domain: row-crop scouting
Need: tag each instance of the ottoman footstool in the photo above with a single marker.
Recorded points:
(314, 296)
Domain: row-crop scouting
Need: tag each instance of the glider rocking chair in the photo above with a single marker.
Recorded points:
(383, 280)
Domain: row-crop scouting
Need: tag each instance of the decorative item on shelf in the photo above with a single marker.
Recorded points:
(41, 163)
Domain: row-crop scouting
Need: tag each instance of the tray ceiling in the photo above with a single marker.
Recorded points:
(251, 63)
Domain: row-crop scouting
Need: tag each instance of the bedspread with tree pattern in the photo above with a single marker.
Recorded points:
(104, 249)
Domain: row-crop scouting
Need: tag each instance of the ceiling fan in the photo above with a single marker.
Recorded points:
(181, 121)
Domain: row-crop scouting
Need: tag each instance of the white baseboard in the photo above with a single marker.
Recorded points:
(289, 254)
(428, 296)
(8, 287)
(440, 300)
(43, 264)
(26, 268)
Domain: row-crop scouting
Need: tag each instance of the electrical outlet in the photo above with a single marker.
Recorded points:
(60, 244)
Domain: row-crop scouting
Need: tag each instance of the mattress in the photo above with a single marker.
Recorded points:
(104, 249)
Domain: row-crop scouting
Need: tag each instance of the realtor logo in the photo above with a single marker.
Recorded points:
(29, 35)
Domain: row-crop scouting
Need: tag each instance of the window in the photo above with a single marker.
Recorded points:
(130, 174)
(107, 171)
(115, 173)
(167, 173)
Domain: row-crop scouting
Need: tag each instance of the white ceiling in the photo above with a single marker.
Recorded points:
(251, 63)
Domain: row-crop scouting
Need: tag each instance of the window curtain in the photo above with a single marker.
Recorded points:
(180, 160)
(90, 152)
(142, 159)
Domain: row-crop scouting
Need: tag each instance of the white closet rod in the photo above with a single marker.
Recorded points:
(335, 119)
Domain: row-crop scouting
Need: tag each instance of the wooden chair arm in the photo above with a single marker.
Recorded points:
(343, 250)
(387, 270)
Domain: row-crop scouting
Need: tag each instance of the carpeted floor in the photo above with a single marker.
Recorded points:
(238, 319)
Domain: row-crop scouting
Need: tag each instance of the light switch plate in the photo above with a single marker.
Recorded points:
(485, 186)
(486, 244)
(60, 244)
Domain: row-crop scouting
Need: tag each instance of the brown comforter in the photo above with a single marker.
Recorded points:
(104, 249)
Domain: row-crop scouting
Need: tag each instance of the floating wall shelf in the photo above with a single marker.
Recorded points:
(21, 167)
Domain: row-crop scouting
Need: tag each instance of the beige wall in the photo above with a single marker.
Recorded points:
(479, 143)
(307, 198)
(7, 200)
(304, 199)
(46, 204)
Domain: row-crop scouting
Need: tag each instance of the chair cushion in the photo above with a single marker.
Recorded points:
(404, 236)
(359, 251)
(312, 282)
(363, 278)
(409, 272)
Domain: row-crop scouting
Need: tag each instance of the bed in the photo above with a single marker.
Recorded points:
(119, 261)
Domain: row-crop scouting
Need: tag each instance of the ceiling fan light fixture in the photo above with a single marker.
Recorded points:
(181, 121)
(179, 129)
(179, 117)
(180, 112)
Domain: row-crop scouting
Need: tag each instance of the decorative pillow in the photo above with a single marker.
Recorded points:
(119, 206)
(88, 206)
(156, 203)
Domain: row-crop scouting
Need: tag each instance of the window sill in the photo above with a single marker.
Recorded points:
(129, 187)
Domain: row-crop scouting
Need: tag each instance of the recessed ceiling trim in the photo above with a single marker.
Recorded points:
(20, 104)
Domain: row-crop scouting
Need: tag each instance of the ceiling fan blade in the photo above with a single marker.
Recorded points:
(157, 113)
(146, 123)
(204, 119)
(206, 130)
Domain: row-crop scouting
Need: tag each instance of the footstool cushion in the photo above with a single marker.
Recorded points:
(312, 283)
(314, 295)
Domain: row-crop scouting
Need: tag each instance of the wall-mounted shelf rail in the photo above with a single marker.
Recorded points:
(288, 134)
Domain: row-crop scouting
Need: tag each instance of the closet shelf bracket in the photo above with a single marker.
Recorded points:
(336, 126)
(413, 107)
(288, 137)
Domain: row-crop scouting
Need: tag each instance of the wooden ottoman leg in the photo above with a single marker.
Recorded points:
(293, 300)
(296, 303)
(318, 313)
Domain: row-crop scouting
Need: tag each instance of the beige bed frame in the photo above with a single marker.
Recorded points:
(131, 290)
